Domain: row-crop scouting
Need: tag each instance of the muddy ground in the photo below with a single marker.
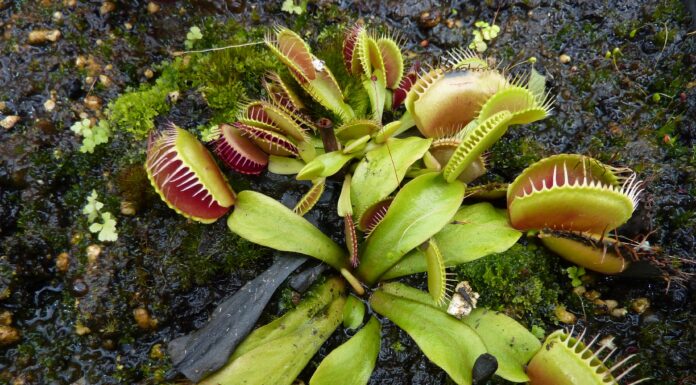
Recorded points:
(626, 95)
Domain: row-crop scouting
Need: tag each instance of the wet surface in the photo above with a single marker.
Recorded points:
(78, 323)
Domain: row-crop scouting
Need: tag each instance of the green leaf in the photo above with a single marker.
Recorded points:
(477, 230)
(284, 166)
(287, 344)
(511, 343)
(353, 313)
(537, 84)
(289, 6)
(381, 171)
(324, 165)
(446, 341)
(351, 363)
(108, 229)
(262, 220)
(92, 207)
(419, 210)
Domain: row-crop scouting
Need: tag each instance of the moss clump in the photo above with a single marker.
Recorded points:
(522, 281)
(224, 78)
(134, 111)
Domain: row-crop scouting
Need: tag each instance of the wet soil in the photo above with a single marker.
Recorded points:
(77, 323)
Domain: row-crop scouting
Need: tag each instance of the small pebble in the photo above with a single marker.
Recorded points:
(93, 102)
(143, 319)
(580, 290)
(6, 318)
(107, 7)
(152, 7)
(49, 105)
(8, 335)
(564, 315)
(619, 312)
(42, 36)
(640, 305)
(9, 121)
(429, 19)
(149, 74)
(424, 43)
(3, 106)
(57, 16)
(63, 262)
(592, 295)
(127, 208)
(128, 26)
(70, 3)
(81, 329)
(611, 304)
(105, 80)
(93, 252)
(564, 59)
(79, 287)
(80, 62)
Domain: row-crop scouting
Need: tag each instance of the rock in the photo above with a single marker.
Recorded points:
(152, 7)
(49, 105)
(128, 208)
(429, 19)
(93, 102)
(9, 121)
(619, 312)
(6, 318)
(63, 262)
(105, 80)
(93, 252)
(8, 335)
(640, 305)
(41, 36)
(81, 329)
(107, 7)
(564, 59)
(143, 319)
(149, 74)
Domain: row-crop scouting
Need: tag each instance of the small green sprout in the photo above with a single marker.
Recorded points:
(93, 207)
(289, 6)
(91, 136)
(193, 34)
(575, 273)
(107, 229)
(484, 33)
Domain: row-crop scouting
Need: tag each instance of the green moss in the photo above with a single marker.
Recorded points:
(134, 111)
(522, 281)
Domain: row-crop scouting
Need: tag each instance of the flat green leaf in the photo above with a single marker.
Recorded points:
(284, 166)
(287, 344)
(511, 343)
(353, 313)
(445, 340)
(324, 165)
(351, 363)
(537, 84)
(381, 171)
(477, 230)
(262, 220)
(420, 209)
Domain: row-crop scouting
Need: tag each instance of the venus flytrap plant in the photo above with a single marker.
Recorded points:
(401, 203)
